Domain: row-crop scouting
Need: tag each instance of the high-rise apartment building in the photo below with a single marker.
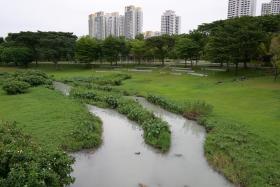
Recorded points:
(97, 25)
(103, 25)
(121, 25)
(238, 8)
(112, 24)
(133, 21)
(170, 23)
(271, 8)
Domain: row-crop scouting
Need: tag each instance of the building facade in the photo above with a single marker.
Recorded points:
(133, 21)
(103, 25)
(271, 8)
(238, 8)
(170, 23)
(97, 25)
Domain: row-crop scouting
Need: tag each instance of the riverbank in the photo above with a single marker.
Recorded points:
(48, 116)
(245, 113)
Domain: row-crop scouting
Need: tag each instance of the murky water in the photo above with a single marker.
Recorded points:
(124, 160)
(63, 88)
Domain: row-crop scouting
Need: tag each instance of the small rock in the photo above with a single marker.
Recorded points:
(137, 153)
(142, 185)
(219, 82)
(178, 155)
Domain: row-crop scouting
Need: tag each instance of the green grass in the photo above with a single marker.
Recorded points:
(48, 116)
(245, 142)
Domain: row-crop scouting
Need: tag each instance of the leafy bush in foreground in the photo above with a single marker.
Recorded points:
(13, 87)
(24, 163)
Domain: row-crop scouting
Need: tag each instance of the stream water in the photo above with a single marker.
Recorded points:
(124, 160)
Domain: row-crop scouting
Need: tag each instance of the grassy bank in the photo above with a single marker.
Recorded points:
(48, 116)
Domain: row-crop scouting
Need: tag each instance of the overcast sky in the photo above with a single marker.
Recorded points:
(72, 15)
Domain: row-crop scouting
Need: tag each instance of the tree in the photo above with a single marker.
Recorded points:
(187, 49)
(18, 55)
(56, 46)
(30, 40)
(138, 49)
(1, 40)
(275, 52)
(87, 50)
(111, 49)
(161, 46)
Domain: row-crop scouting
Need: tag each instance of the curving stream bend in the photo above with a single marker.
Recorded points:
(124, 160)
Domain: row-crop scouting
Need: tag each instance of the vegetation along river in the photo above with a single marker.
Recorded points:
(124, 160)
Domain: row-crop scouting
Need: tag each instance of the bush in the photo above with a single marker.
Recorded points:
(24, 163)
(13, 87)
(33, 77)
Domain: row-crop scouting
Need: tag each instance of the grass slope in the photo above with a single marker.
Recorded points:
(45, 114)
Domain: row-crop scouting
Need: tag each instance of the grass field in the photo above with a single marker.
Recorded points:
(45, 114)
(253, 104)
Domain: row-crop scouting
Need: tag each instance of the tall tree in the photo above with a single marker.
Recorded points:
(275, 52)
(138, 49)
(161, 45)
(187, 49)
(56, 46)
(111, 49)
(87, 50)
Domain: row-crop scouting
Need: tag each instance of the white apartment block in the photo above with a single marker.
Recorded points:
(121, 25)
(97, 25)
(238, 8)
(133, 21)
(112, 24)
(271, 8)
(170, 23)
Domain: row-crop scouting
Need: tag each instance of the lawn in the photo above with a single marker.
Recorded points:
(45, 114)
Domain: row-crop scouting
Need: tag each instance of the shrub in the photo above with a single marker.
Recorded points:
(33, 77)
(24, 163)
(14, 87)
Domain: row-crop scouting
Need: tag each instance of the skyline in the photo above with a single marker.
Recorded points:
(71, 16)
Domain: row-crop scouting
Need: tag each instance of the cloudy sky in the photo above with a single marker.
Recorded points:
(72, 15)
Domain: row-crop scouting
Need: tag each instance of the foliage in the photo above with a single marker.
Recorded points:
(87, 50)
(138, 49)
(187, 49)
(86, 134)
(275, 52)
(23, 163)
(52, 46)
(18, 55)
(161, 46)
(236, 151)
(33, 77)
(13, 87)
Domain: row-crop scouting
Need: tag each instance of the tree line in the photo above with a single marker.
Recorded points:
(246, 40)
